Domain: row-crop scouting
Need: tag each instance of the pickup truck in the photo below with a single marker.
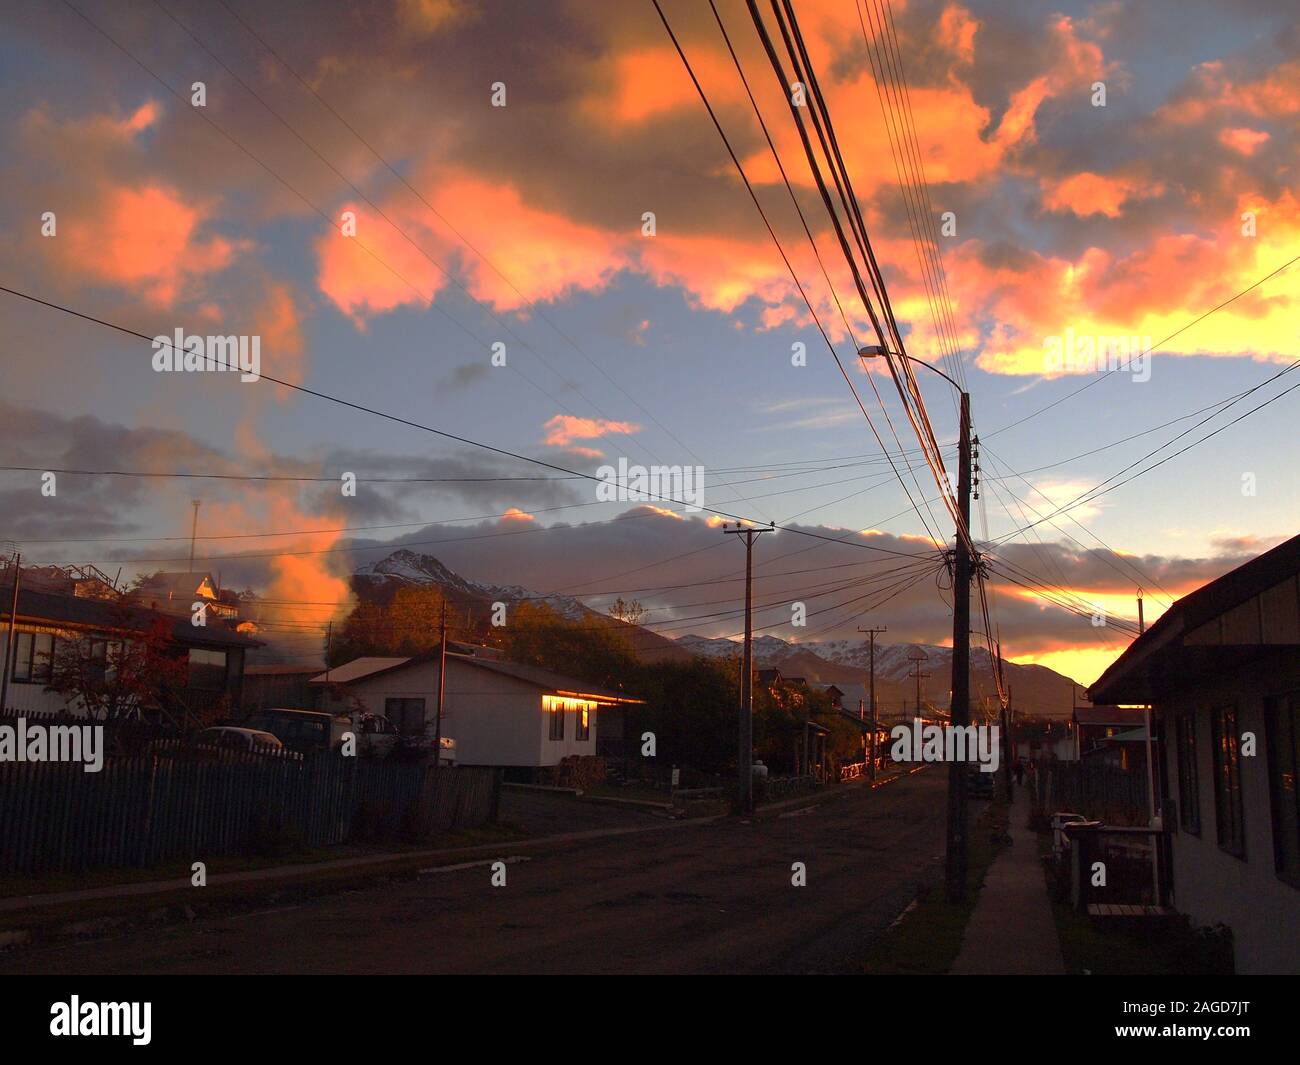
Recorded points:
(315, 730)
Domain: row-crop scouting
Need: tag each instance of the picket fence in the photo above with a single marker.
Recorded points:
(163, 806)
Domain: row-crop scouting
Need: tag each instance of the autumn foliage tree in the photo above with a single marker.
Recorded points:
(116, 679)
(405, 625)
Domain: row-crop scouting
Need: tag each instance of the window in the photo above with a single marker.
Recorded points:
(33, 658)
(207, 670)
(583, 730)
(1229, 821)
(1282, 733)
(406, 714)
(557, 719)
(1189, 784)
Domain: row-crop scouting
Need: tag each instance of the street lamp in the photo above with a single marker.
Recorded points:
(963, 568)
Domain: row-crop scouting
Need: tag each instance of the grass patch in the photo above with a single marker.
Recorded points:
(928, 939)
(639, 792)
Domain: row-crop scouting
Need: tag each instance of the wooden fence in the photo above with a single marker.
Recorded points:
(148, 809)
(1095, 789)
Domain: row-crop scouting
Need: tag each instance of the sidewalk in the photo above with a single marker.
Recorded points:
(1012, 929)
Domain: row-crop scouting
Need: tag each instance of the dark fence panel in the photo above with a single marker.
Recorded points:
(147, 809)
(1095, 789)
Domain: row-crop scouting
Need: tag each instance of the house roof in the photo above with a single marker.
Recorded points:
(174, 583)
(1222, 626)
(1106, 715)
(365, 668)
(51, 608)
(282, 670)
(360, 669)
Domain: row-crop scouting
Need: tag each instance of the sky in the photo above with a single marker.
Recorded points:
(389, 194)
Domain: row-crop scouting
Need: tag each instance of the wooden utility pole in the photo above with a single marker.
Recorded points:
(745, 746)
(1006, 729)
(918, 676)
(1151, 774)
(11, 653)
(194, 531)
(871, 635)
(959, 711)
(442, 686)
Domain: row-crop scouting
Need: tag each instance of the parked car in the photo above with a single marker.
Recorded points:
(377, 736)
(302, 730)
(319, 730)
(979, 785)
(240, 739)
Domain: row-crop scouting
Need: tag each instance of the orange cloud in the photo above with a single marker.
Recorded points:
(378, 269)
(563, 429)
(1147, 294)
(1241, 140)
(146, 241)
(1087, 193)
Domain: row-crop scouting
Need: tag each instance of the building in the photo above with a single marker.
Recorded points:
(1222, 669)
(179, 593)
(1095, 727)
(214, 652)
(281, 685)
(500, 713)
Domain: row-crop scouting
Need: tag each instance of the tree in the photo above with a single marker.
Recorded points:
(593, 652)
(405, 625)
(630, 613)
(117, 678)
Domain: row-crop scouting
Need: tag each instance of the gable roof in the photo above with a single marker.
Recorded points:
(367, 667)
(360, 669)
(174, 583)
(1223, 625)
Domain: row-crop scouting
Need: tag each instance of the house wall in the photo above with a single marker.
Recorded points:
(25, 697)
(495, 719)
(1211, 885)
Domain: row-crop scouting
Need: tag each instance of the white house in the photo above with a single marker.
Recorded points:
(499, 713)
(214, 653)
(1222, 669)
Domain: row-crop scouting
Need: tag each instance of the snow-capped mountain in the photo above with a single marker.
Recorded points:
(410, 567)
(379, 580)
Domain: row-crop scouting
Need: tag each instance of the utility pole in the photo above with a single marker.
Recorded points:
(918, 676)
(962, 571)
(745, 751)
(959, 712)
(11, 652)
(194, 531)
(1151, 775)
(1006, 729)
(442, 686)
(871, 635)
